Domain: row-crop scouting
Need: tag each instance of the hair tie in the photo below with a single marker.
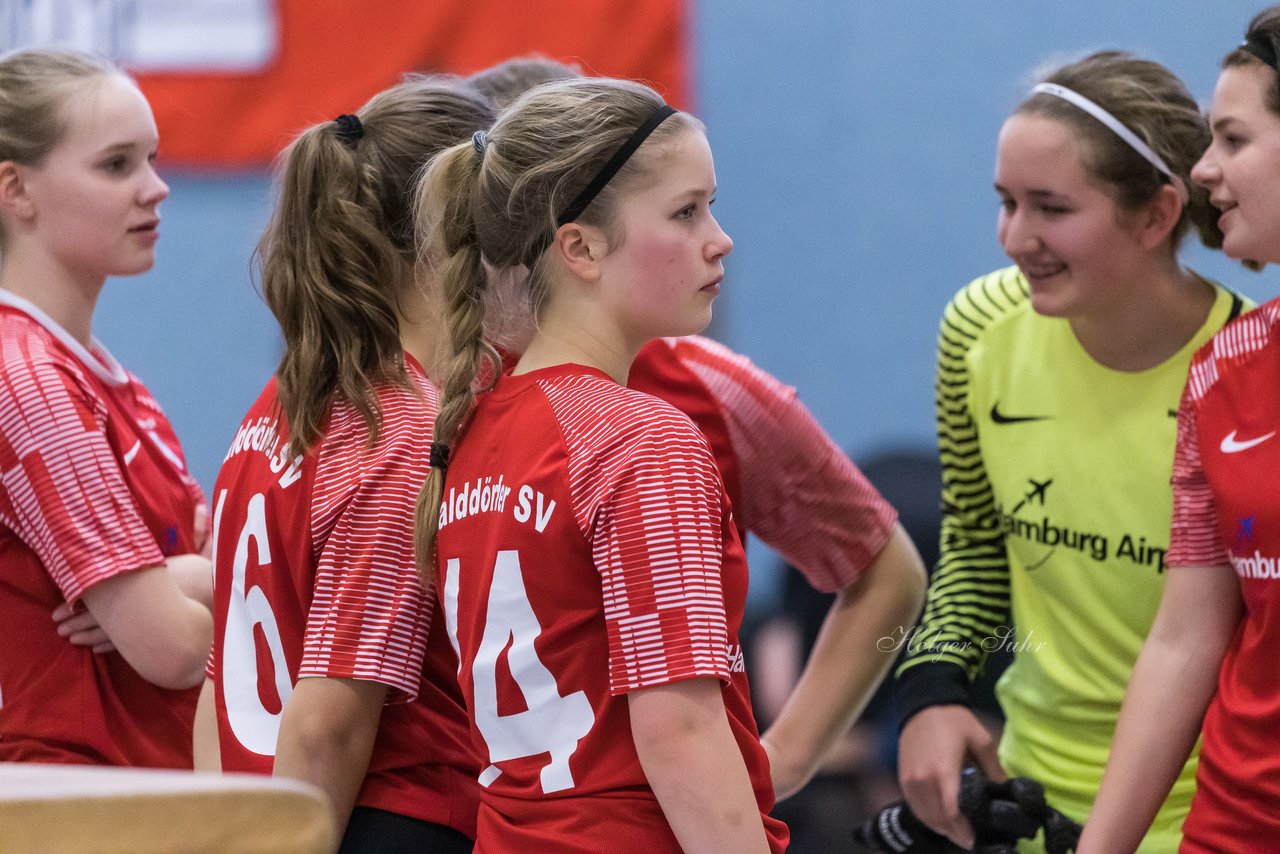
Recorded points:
(440, 456)
(1119, 129)
(479, 141)
(616, 162)
(1261, 49)
(349, 130)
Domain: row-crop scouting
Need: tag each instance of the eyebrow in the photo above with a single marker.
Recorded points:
(1037, 194)
(121, 147)
(1219, 124)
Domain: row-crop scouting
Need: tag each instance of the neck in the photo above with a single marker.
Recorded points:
(424, 334)
(1158, 311)
(55, 292)
(564, 338)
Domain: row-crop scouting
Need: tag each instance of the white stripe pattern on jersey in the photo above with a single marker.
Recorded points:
(1195, 539)
(369, 615)
(98, 531)
(800, 493)
(647, 495)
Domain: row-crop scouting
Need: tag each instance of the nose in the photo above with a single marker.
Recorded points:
(720, 244)
(154, 189)
(1016, 234)
(1206, 172)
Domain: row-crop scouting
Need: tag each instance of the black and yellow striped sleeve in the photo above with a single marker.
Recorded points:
(968, 601)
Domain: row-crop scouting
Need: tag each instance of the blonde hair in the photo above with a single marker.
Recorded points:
(498, 201)
(1150, 101)
(34, 86)
(340, 244)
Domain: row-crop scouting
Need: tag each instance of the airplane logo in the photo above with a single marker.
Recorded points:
(1038, 491)
(1232, 445)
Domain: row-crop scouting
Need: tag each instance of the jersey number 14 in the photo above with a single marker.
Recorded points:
(551, 724)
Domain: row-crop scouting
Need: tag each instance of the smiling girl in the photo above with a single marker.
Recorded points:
(100, 523)
(590, 575)
(1211, 654)
(1057, 384)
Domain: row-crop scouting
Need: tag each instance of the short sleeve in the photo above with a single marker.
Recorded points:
(369, 614)
(1194, 536)
(658, 543)
(801, 494)
(64, 493)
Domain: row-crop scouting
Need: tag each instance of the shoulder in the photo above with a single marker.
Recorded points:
(1232, 348)
(986, 302)
(34, 361)
(595, 412)
(407, 414)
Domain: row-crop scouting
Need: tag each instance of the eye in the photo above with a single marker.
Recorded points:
(1054, 210)
(686, 212)
(1233, 141)
(115, 164)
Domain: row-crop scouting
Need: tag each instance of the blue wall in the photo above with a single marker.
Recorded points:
(854, 145)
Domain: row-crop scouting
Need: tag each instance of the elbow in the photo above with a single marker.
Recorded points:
(181, 664)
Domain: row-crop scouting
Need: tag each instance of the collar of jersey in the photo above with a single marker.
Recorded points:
(104, 365)
(515, 383)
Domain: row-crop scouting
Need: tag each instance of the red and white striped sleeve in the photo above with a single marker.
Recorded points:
(801, 494)
(62, 490)
(1194, 538)
(369, 615)
(646, 491)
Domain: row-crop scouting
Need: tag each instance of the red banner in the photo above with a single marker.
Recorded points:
(332, 55)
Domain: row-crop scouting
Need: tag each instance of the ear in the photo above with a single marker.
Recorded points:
(580, 248)
(14, 199)
(1160, 216)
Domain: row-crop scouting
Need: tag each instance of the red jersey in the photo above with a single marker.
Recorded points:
(586, 550)
(788, 482)
(92, 485)
(1226, 512)
(315, 576)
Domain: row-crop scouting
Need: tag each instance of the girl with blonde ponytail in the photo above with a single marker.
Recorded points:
(321, 668)
(590, 575)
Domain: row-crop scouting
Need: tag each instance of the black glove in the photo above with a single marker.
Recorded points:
(1000, 814)
(896, 830)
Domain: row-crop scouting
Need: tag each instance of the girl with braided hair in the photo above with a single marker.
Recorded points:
(590, 576)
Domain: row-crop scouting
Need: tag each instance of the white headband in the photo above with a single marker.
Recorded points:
(1117, 127)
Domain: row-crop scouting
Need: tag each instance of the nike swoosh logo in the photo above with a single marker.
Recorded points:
(1232, 445)
(132, 452)
(1000, 418)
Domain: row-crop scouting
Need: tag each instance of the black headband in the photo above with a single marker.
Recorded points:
(1262, 49)
(616, 162)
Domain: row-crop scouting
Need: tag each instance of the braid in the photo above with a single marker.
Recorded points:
(465, 283)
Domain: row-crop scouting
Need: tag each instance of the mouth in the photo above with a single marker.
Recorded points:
(151, 226)
(1042, 271)
(713, 287)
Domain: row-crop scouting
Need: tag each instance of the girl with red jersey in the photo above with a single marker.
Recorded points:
(794, 488)
(1208, 666)
(101, 526)
(321, 625)
(590, 575)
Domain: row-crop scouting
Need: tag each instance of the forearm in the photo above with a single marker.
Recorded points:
(206, 750)
(1172, 684)
(326, 738)
(853, 652)
(695, 767)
